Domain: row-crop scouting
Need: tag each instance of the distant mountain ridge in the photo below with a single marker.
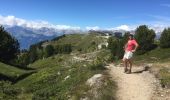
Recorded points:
(28, 36)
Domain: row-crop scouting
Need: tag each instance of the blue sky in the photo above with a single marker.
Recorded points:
(83, 13)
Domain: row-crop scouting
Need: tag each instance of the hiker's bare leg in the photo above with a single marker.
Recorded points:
(125, 64)
(130, 65)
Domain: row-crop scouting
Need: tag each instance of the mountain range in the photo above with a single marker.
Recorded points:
(28, 36)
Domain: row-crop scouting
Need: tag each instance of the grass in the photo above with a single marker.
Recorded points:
(8, 76)
(89, 43)
(156, 55)
(70, 38)
(7, 91)
(50, 62)
(108, 89)
(60, 77)
(81, 42)
(165, 77)
(163, 73)
(11, 71)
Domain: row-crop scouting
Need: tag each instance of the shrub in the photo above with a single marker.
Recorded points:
(97, 64)
(165, 38)
(10, 92)
(145, 38)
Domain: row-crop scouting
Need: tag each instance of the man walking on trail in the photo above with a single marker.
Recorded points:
(130, 47)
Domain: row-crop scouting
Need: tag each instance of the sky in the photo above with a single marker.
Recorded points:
(86, 14)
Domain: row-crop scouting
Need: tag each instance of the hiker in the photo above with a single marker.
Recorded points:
(130, 47)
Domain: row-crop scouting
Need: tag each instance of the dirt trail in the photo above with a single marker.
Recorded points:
(139, 85)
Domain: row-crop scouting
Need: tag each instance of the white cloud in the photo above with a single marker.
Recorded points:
(123, 27)
(12, 20)
(92, 28)
(158, 24)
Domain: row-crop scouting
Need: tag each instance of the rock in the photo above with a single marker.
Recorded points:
(66, 77)
(95, 80)
(84, 65)
(85, 98)
(149, 65)
(58, 73)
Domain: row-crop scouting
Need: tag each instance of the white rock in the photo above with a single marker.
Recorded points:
(84, 65)
(149, 65)
(67, 77)
(58, 73)
(94, 80)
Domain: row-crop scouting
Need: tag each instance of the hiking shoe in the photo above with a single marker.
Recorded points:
(128, 72)
(125, 70)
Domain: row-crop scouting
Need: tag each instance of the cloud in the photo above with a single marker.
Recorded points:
(92, 28)
(12, 21)
(158, 23)
(165, 5)
(158, 26)
(123, 27)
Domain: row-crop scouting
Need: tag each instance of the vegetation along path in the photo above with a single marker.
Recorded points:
(139, 85)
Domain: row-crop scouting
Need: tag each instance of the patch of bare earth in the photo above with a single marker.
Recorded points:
(139, 85)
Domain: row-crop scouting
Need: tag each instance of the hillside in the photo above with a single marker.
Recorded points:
(67, 76)
(83, 74)
(63, 75)
(81, 42)
(11, 73)
(153, 56)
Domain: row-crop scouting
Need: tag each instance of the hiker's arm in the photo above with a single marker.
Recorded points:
(125, 46)
(136, 46)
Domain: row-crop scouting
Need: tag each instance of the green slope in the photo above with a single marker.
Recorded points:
(10, 71)
(8, 76)
(62, 77)
(83, 42)
(156, 55)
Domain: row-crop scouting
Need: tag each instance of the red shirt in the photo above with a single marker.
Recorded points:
(131, 45)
